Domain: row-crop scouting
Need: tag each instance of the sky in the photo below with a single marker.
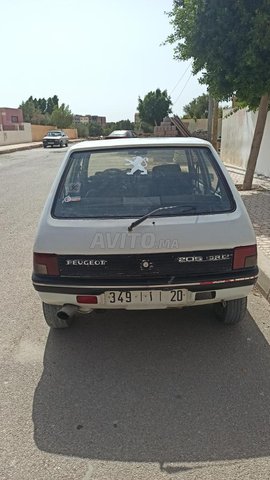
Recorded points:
(98, 56)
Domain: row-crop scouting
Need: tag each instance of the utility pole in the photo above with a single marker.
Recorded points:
(215, 124)
(210, 118)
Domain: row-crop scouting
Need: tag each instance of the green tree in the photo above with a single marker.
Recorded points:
(154, 107)
(229, 43)
(82, 129)
(62, 117)
(197, 108)
(31, 112)
(39, 118)
(94, 129)
(35, 100)
(52, 103)
(110, 126)
(39, 110)
(146, 127)
(50, 106)
(55, 101)
(42, 105)
(124, 125)
(28, 109)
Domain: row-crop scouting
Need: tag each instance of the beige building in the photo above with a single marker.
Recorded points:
(90, 118)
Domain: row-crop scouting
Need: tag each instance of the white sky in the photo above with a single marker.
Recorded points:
(97, 56)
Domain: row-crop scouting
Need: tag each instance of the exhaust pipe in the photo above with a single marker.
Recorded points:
(67, 311)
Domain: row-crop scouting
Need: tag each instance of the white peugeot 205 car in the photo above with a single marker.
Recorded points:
(143, 224)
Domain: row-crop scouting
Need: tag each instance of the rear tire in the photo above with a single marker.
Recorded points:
(50, 315)
(231, 312)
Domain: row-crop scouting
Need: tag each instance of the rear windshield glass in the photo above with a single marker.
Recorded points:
(120, 133)
(131, 182)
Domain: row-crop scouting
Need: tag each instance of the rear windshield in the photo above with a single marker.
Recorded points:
(120, 133)
(131, 182)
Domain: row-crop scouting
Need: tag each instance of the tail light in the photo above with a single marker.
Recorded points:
(245, 257)
(46, 264)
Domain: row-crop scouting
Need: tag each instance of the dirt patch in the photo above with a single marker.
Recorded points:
(255, 187)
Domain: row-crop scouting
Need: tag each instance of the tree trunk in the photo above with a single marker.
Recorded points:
(215, 124)
(256, 142)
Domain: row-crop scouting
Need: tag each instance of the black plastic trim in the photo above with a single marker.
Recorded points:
(82, 286)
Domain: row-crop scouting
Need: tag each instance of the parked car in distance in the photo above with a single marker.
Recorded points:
(137, 224)
(122, 134)
(55, 138)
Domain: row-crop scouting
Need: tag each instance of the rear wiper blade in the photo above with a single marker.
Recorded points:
(186, 208)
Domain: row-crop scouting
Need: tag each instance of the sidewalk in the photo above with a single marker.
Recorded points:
(27, 146)
(19, 146)
(257, 202)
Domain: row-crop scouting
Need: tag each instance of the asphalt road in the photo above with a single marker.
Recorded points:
(155, 395)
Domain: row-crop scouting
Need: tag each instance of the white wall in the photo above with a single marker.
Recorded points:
(236, 138)
(11, 137)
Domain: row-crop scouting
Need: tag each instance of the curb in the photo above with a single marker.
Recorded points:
(11, 149)
(263, 281)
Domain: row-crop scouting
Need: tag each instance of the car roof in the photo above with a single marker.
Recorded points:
(141, 142)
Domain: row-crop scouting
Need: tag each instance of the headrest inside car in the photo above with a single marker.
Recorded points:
(164, 170)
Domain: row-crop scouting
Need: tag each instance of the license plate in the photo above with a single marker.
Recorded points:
(147, 297)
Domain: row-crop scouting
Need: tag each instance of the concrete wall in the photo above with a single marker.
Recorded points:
(71, 132)
(30, 133)
(236, 138)
(39, 131)
(11, 137)
(192, 125)
(200, 124)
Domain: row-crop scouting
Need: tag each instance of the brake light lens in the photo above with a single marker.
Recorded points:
(90, 299)
(245, 257)
(46, 264)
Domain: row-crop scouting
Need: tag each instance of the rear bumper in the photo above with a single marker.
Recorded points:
(59, 291)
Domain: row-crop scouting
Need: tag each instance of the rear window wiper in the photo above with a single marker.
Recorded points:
(185, 208)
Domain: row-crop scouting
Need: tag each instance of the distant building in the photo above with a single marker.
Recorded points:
(80, 119)
(90, 118)
(11, 119)
(96, 119)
